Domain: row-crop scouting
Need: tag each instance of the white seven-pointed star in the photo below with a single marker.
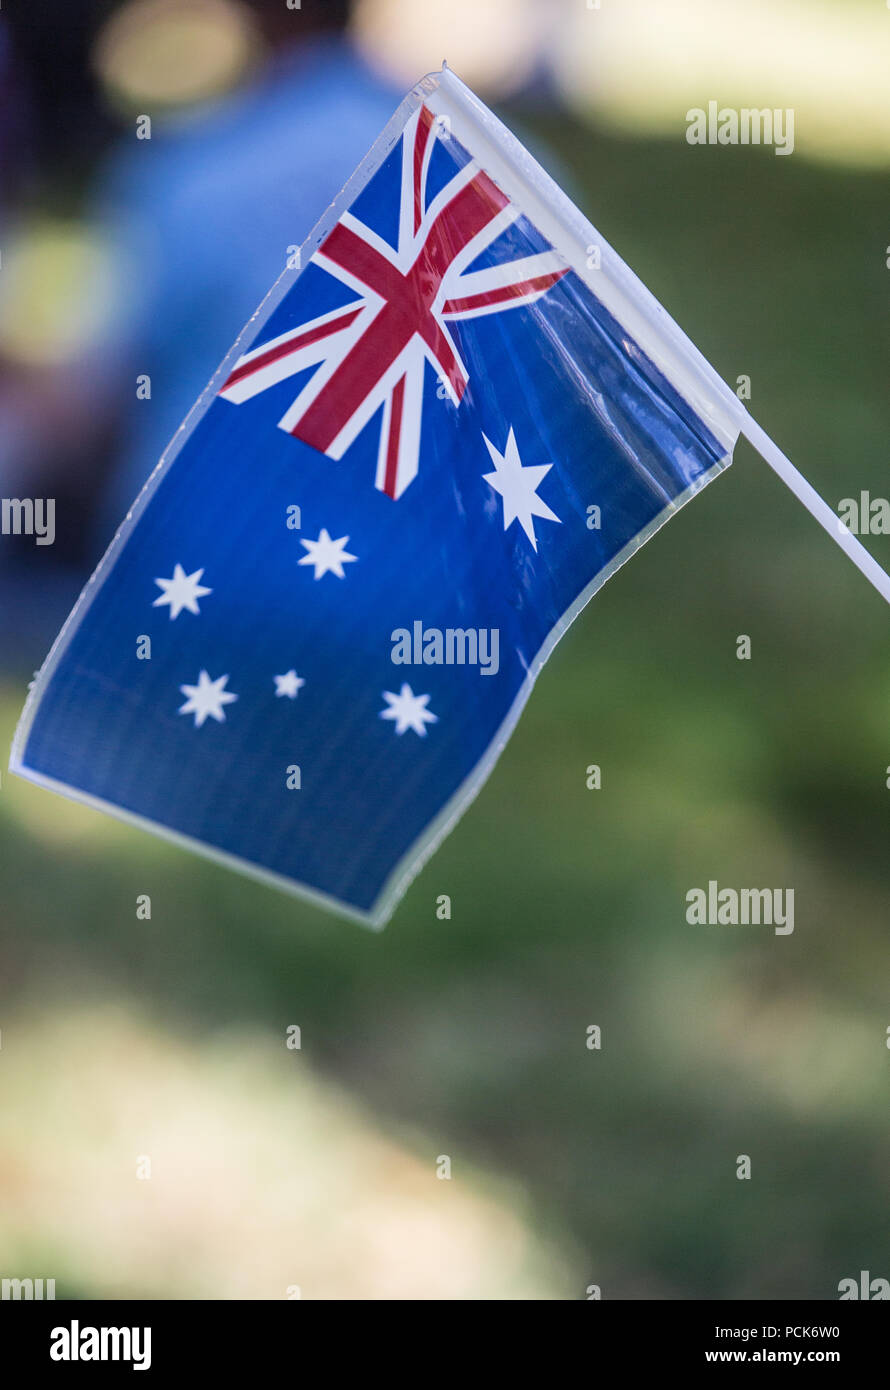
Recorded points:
(182, 591)
(206, 699)
(327, 555)
(408, 710)
(518, 487)
(289, 684)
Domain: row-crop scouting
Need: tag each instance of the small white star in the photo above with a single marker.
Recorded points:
(518, 487)
(408, 710)
(182, 591)
(289, 684)
(206, 699)
(327, 555)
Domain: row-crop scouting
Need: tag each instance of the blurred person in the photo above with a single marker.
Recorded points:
(198, 220)
(204, 214)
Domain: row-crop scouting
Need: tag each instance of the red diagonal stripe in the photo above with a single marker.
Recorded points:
(275, 354)
(421, 139)
(352, 253)
(462, 218)
(536, 285)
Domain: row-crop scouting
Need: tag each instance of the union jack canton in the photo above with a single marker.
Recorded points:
(372, 352)
(444, 429)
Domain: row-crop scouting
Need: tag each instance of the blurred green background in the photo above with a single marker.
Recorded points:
(467, 1038)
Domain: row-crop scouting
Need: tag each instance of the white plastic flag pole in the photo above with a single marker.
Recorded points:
(814, 504)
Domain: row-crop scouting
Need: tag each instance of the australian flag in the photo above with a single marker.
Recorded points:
(441, 433)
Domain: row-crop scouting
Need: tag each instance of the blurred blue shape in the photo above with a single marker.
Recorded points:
(204, 214)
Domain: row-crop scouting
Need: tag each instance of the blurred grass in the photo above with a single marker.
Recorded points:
(468, 1037)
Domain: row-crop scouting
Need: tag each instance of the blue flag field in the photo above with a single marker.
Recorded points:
(443, 430)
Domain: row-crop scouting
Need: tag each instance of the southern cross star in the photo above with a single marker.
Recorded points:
(518, 487)
(206, 699)
(408, 710)
(289, 684)
(327, 555)
(182, 591)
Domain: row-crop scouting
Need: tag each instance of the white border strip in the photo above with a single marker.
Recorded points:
(555, 215)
